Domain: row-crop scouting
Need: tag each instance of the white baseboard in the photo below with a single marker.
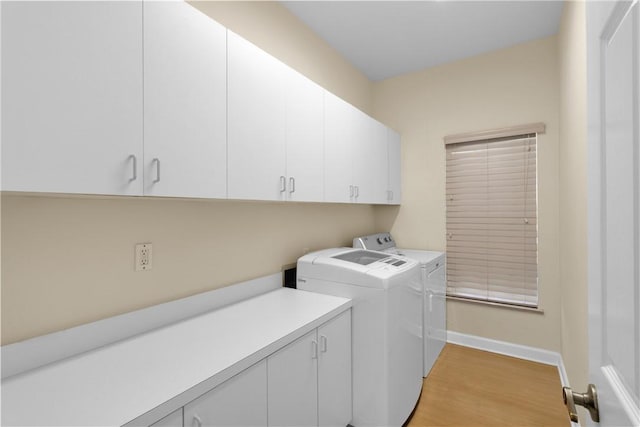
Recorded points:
(39, 351)
(514, 350)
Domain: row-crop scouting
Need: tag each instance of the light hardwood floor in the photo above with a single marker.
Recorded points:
(469, 387)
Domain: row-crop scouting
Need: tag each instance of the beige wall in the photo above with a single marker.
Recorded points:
(573, 191)
(69, 260)
(508, 87)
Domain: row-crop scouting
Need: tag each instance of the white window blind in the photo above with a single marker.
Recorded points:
(492, 231)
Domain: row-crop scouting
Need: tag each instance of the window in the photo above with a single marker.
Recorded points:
(492, 231)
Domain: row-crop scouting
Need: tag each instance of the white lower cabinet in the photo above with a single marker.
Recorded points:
(305, 383)
(334, 372)
(293, 383)
(310, 379)
(174, 419)
(239, 401)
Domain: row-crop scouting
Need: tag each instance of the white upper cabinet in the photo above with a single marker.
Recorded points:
(341, 130)
(256, 123)
(304, 138)
(356, 157)
(157, 99)
(370, 162)
(72, 97)
(275, 128)
(394, 156)
(185, 102)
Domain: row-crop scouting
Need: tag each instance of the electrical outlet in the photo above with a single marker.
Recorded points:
(144, 256)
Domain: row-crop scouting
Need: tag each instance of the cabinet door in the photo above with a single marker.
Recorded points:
(370, 164)
(72, 97)
(341, 132)
(305, 138)
(256, 133)
(174, 419)
(239, 401)
(293, 383)
(395, 187)
(334, 372)
(185, 102)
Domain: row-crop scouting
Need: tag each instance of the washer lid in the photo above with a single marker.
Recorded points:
(361, 257)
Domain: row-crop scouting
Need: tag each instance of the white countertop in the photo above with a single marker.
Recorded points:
(166, 368)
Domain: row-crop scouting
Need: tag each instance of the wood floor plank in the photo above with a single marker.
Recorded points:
(469, 387)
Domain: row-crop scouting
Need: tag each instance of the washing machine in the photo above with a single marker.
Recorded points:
(386, 327)
(434, 281)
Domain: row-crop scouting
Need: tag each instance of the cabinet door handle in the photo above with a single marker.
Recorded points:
(357, 191)
(314, 349)
(134, 163)
(323, 344)
(197, 421)
(283, 184)
(351, 191)
(157, 162)
(292, 185)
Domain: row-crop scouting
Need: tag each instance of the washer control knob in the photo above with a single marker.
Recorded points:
(379, 240)
(386, 239)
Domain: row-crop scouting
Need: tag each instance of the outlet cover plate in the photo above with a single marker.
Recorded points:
(144, 257)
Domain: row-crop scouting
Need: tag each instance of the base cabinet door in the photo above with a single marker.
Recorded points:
(293, 383)
(239, 401)
(174, 419)
(334, 372)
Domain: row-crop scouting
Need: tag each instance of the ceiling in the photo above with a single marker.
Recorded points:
(388, 38)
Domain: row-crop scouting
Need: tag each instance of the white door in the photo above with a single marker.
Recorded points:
(185, 102)
(305, 138)
(614, 210)
(256, 123)
(240, 401)
(293, 383)
(334, 371)
(72, 97)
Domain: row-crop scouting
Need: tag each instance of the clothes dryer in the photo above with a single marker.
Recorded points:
(386, 327)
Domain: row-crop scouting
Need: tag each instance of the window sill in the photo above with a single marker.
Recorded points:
(497, 304)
